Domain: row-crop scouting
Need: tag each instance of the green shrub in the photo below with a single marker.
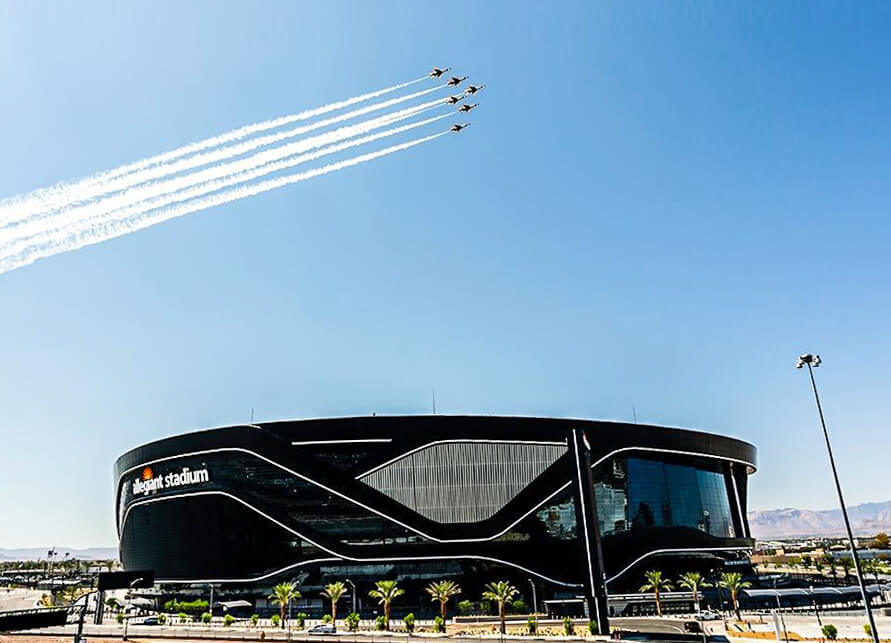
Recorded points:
(593, 628)
(189, 607)
(532, 625)
(162, 618)
(228, 620)
(275, 620)
(568, 628)
(119, 618)
(183, 617)
(439, 625)
(867, 629)
(206, 617)
(518, 606)
(465, 607)
(301, 620)
(380, 623)
(486, 608)
(255, 618)
(830, 631)
(326, 618)
(352, 622)
(409, 621)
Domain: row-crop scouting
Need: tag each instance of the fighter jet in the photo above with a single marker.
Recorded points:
(454, 80)
(437, 72)
(467, 107)
(472, 89)
(457, 128)
(451, 100)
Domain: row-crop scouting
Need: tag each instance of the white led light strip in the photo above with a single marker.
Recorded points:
(400, 523)
(328, 550)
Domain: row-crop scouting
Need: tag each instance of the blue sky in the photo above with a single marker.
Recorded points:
(658, 207)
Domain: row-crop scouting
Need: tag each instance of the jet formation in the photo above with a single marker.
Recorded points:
(455, 81)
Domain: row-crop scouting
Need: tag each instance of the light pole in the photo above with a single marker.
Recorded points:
(534, 599)
(779, 610)
(812, 361)
(126, 619)
(289, 619)
(816, 607)
(353, 585)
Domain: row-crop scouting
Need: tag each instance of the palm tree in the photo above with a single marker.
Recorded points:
(503, 593)
(733, 581)
(847, 564)
(870, 566)
(442, 592)
(694, 582)
(334, 591)
(829, 559)
(282, 595)
(655, 583)
(69, 594)
(385, 592)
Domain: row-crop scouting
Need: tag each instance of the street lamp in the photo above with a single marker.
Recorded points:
(534, 600)
(353, 585)
(813, 361)
(126, 619)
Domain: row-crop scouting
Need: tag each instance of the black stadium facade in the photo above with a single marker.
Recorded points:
(580, 508)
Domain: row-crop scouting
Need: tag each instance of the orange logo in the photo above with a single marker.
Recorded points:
(147, 473)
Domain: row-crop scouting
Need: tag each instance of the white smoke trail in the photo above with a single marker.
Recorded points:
(13, 212)
(121, 227)
(84, 224)
(40, 226)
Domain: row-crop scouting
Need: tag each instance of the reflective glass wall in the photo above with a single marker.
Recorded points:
(635, 493)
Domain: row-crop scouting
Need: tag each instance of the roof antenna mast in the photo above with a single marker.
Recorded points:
(434, 400)
(252, 415)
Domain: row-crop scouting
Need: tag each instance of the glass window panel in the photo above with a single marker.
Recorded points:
(639, 493)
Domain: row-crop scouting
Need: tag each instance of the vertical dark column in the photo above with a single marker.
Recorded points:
(589, 531)
(737, 504)
(100, 608)
(740, 475)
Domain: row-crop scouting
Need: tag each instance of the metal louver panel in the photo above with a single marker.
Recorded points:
(463, 481)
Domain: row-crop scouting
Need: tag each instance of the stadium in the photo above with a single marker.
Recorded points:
(572, 509)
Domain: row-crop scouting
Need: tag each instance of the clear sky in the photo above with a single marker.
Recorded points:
(657, 208)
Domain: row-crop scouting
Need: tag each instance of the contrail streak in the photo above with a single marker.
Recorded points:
(16, 246)
(66, 216)
(122, 227)
(15, 211)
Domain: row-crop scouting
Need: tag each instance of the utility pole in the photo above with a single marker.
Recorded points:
(813, 361)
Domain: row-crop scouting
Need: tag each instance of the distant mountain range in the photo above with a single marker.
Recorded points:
(866, 520)
(35, 553)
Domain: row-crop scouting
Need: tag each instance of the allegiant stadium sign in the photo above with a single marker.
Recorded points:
(149, 482)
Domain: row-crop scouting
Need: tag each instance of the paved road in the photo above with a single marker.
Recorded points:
(197, 632)
(18, 599)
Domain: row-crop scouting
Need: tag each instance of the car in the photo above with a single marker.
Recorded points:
(708, 615)
(692, 627)
(322, 628)
(151, 620)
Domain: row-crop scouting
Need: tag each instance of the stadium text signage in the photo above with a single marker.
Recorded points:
(149, 482)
